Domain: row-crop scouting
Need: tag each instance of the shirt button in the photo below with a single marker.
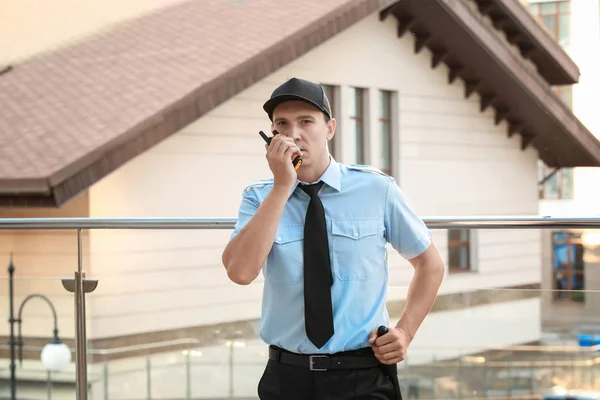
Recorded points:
(278, 238)
(355, 234)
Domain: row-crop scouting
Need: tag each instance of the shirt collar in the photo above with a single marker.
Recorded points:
(332, 176)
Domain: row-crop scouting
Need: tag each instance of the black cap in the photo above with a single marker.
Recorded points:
(298, 89)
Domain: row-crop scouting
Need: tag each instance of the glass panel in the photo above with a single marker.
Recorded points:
(385, 104)
(385, 129)
(40, 260)
(356, 132)
(568, 264)
(458, 248)
(564, 6)
(385, 161)
(548, 8)
(329, 92)
(551, 186)
(357, 142)
(564, 29)
(328, 89)
(479, 342)
(166, 323)
(550, 23)
(540, 349)
(534, 8)
(540, 174)
(567, 183)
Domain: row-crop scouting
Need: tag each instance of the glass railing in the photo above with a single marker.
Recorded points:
(517, 315)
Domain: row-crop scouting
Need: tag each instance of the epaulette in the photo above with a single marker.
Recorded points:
(257, 184)
(367, 168)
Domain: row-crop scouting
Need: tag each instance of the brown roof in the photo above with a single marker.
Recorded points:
(532, 39)
(70, 117)
(475, 50)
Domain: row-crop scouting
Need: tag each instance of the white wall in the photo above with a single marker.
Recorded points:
(454, 161)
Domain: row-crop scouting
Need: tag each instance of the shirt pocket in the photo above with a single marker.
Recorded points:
(285, 261)
(358, 248)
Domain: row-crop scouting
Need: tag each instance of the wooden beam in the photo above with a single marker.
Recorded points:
(499, 21)
(526, 140)
(386, 12)
(514, 127)
(438, 57)
(485, 6)
(421, 41)
(513, 36)
(470, 87)
(486, 101)
(453, 73)
(526, 49)
(501, 114)
(404, 24)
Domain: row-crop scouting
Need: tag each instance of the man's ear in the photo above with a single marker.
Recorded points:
(331, 125)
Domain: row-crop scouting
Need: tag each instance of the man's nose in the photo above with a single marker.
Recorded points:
(295, 132)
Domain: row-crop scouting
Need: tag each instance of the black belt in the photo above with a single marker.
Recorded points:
(324, 362)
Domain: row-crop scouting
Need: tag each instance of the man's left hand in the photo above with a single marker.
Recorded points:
(390, 348)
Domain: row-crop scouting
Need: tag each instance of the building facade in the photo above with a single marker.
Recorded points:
(570, 266)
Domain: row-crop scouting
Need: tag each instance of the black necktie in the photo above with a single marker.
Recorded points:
(318, 311)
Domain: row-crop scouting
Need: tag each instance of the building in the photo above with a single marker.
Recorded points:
(571, 264)
(157, 116)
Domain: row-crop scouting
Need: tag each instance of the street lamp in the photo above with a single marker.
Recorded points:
(55, 355)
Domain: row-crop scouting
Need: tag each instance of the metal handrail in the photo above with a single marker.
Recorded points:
(449, 222)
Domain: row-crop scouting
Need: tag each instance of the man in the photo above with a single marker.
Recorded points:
(319, 235)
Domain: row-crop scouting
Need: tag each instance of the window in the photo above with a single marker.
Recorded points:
(567, 266)
(459, 250)
(385, 130)
(558, 186)
(356, 131)
(556, 16)
(330, 92)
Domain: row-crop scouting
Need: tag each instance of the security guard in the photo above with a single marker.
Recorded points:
(319, 236)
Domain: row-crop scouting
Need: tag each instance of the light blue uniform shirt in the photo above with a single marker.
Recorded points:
(364, 210)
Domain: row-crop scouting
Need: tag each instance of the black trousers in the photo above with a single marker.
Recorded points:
(290, 382)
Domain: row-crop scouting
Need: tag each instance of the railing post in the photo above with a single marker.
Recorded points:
(148, 378)
(105, 373)
(49, 385)
(188, 375)
(80, 286)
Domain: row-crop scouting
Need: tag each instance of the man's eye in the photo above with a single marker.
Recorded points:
(281, 123)
(306, 121)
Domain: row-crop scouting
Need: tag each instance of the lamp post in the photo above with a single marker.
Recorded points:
(55, 355)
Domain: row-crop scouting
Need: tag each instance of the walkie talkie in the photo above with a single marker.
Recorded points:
(382, 330)
(297, 160)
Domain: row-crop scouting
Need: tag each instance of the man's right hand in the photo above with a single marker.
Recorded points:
(279, 155)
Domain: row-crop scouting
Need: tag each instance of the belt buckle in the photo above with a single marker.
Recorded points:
(311, 362)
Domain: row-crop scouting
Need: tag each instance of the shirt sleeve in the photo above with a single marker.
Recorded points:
(247, 209)
(405, 231)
